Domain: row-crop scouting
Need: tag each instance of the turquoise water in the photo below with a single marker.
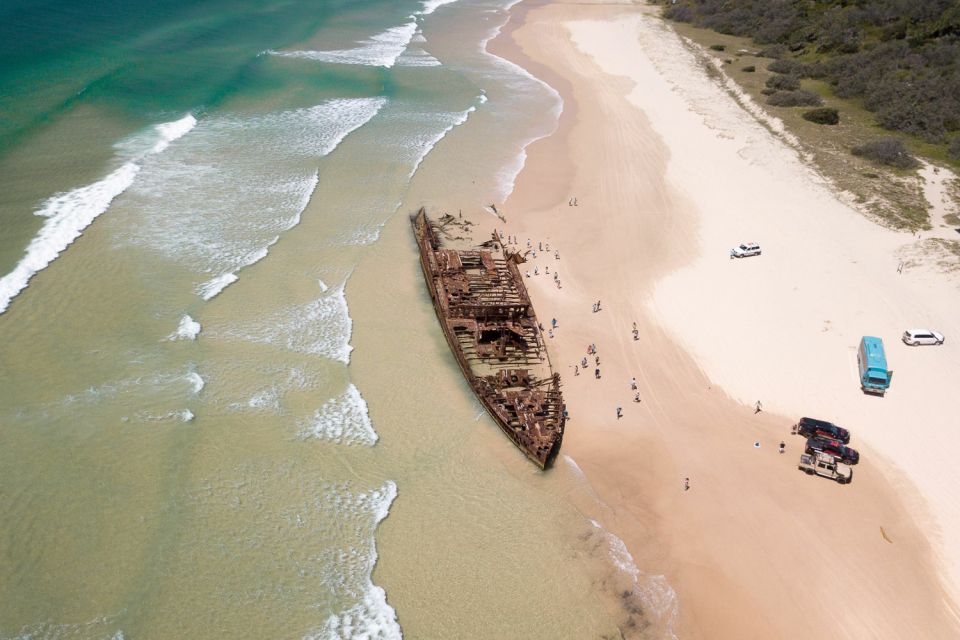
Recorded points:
(225, 406)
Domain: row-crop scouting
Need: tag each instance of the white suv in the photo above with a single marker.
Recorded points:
(914, 337)
(745, 249)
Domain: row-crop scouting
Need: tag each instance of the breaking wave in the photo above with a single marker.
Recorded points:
(188, 329)
(214, 286)
(217, 202)
(68, 214)
(380, 50)
(371, 616)
(322, 327)
(343, 419)
(384, 49)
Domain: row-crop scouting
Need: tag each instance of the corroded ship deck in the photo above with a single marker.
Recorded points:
(486, 316)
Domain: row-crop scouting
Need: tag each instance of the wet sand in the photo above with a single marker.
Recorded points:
(754, 548)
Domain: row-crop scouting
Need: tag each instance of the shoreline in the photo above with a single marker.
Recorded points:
(647, 226)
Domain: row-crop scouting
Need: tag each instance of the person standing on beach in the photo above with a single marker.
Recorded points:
(619, 413)
(598, 305)
(596, 373)
(633, 384)
(686, 484)
(576, 370)
(759, 408)
(554, 323)
(636, 397)
(556, 255)
(783, 446)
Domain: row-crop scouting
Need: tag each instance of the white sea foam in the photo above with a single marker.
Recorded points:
(68, 214)
(655, 592)
(455, 121)
(211, 288)
(371, 617)
(182, 415)
(429, 6)
(196, 381)
(98, 627)
(170, 131)
(188, 329)
(380, 50)
(322, 327)
(520, 82)
(220, 198)
(343, 419)
(270, 398)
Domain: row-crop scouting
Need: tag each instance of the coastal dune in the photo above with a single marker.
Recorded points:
(754, 549)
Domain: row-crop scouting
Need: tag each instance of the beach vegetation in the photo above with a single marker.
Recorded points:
(783, 83)
(749, 68)
(889, 151)
(786, 65)
(718, 47)
(799, 98)
(899, 59)
(953, 150)
(823, 115)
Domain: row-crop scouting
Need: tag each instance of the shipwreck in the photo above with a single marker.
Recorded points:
(486, 315)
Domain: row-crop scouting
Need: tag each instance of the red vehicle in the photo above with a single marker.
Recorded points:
(835, 448)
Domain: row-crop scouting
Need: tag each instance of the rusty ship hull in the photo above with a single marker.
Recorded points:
(487, 319)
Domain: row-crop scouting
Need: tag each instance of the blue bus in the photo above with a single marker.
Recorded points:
(872, 361)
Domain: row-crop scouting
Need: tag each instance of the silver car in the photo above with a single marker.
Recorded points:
(913, 337)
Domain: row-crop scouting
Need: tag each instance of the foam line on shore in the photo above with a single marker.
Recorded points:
(507, 175)
(657, 595)
(69, 214)
(371, 616)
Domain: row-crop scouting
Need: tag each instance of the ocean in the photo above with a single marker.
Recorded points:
(226, 408)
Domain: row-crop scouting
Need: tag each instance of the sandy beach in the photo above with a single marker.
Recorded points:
(668, 173)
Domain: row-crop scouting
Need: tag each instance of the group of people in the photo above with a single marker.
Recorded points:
(512, 240)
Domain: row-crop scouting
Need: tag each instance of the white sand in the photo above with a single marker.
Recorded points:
(784, 327)
(754, 548)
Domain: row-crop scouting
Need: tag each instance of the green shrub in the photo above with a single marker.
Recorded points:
(783, 83)
(801, 98)
(749, 68)
(823, 115)
(787, 66)
(718, 47)
(888, 151)
(953, 150)
(774, 51)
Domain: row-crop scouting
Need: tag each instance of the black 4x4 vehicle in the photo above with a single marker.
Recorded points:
(835, 448)
(811, 427)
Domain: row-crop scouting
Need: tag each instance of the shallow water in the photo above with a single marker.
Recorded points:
(226, 406)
